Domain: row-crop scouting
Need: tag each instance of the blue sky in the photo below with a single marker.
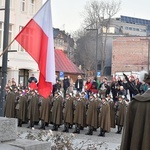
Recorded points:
(66, 14)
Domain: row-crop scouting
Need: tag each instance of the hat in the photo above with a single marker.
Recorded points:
(120, 96)
(83, 93)
(77, 95)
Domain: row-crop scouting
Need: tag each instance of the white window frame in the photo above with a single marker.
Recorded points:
(20, 48)
(32, 6)
(23, 5)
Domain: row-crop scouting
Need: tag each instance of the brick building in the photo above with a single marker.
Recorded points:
(130, 54)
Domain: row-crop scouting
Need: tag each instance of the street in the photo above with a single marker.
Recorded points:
(111, 141)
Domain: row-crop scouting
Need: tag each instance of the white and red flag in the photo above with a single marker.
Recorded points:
(37, 39)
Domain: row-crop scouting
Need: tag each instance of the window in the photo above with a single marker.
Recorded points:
(20, 47)
(32, 3)
(126, 28)
(1, 35)
(130, 28)
(10, 35)
(22, 5)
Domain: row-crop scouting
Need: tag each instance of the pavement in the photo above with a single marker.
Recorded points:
(111, 141)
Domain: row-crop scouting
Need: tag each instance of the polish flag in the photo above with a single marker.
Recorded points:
(37, 39)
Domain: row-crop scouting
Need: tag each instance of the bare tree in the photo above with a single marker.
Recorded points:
(84, 50)
(98, 15)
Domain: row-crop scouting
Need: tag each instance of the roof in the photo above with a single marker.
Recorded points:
(63, 63)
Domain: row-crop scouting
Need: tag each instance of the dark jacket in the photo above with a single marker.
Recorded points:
(79, 84)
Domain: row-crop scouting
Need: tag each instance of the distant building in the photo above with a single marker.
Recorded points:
(129, 26)
(20, 65)
(63, 41)
(130, 54)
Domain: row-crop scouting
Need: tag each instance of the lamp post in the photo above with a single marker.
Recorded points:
(96, 48)
(5, 56)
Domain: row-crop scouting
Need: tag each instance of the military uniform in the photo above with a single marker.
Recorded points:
(45, 114)
(57, 111)
(92, 115)
(136, 132)
(9, 110)
(68, 112)
(104, 120)
(112, 112)
(79, 114)
(120, 113)
(22, 112)
(33, 109)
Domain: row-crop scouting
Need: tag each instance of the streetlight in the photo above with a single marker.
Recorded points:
(96, 46)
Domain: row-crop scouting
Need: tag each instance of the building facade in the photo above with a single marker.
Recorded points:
(20, 65)
(130, 54)
(65, 42)
(129, 26)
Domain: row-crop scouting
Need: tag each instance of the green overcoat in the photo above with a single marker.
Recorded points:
(57, 114)
(45, 108)
(104, 120)
(92, 114)
(33, 109)
(79, 113)
(22, 112)
(136, 134)
(68, 111)
(9, 110)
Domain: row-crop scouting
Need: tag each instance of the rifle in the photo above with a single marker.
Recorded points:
(131, 86)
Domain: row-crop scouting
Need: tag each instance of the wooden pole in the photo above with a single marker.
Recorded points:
(7, 47)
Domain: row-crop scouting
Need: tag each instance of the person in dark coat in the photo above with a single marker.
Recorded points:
(92, 115)
(22, 112)
(56, 87)
(79, 84)
(112, 111)
(104, 120)
(114, 89)
(32, 78)
(33, 109)
(120, 113)
(57, 108)
(9, 110)
(45, 115)
(68, 112)
(79, 114)
(66, 84)
(136, 132)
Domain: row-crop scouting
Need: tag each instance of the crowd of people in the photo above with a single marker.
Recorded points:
(96, 104)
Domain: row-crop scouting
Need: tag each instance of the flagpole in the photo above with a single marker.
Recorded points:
(7, 47)
(5, 57)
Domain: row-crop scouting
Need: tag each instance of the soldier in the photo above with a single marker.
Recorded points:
(92, 115)
(85, 101)
(22, 112)
(45, 115)
(68, 112)
(57, 111)
(79, 114)
(120, 113)
(104, 120)
(112, 111)
(137, 125)
(33, 110)
(16, 92)
(9, 110)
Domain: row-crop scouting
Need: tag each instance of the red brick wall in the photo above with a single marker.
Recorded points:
(129, 54)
